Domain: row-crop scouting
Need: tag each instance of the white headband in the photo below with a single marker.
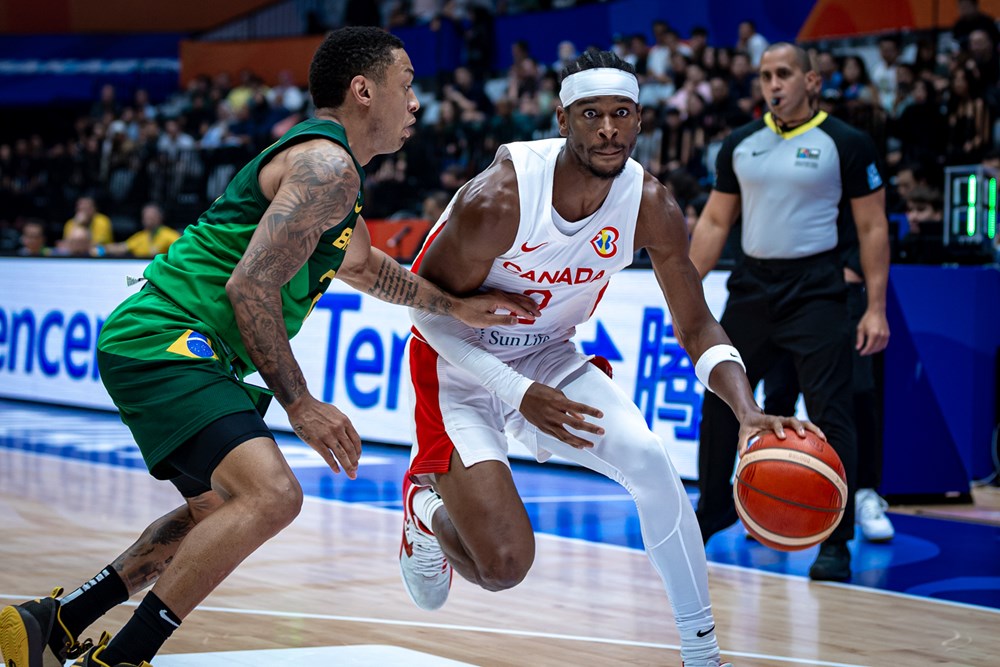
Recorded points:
(598, 81)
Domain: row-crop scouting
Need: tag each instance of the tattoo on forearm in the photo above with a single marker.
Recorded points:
(317, 190)
(395, 284)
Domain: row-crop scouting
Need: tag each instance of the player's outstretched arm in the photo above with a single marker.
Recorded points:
(368, 269)
(661, 230)
(315, 184)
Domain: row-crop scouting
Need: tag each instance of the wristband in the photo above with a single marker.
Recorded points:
(714, 356)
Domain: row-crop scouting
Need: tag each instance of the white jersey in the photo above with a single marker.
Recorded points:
(564, 266)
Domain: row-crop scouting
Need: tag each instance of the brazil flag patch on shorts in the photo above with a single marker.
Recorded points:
(193, 345)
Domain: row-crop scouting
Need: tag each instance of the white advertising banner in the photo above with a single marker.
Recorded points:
(351, 349)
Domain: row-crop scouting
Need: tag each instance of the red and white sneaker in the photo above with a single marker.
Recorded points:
(425, 569)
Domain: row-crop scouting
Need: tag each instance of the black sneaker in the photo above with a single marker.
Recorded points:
(92, 657)
(30, 630)
(832, 564)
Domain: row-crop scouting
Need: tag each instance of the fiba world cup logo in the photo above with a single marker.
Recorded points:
(605, 243)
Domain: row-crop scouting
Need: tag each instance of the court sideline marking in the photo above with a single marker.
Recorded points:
(492, 631)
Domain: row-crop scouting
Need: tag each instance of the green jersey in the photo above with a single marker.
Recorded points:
(193, 274)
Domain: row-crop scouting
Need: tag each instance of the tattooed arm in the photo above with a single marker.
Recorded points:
(311, 185)
(368, 269)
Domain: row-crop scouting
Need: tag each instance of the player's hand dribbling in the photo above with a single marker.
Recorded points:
(757, 423)
(480, 310)
(551, 411)
(327, 430)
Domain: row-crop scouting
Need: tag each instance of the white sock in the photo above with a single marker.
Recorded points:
(695, 649)
(426, 502)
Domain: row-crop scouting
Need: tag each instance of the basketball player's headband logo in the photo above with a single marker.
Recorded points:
(598, 81)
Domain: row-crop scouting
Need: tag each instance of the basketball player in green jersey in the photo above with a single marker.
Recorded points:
(222, 303)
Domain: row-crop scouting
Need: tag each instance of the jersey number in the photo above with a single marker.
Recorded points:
(546, 297)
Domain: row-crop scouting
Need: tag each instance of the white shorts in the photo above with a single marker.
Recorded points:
(452, 411)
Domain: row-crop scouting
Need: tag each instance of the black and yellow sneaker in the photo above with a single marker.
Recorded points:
(93, 657)
(33, 635)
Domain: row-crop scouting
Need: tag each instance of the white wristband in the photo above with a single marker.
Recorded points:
(714, 356)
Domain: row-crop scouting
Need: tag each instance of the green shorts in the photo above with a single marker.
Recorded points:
(169, 376)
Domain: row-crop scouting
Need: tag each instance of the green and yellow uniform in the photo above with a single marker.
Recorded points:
(171, 356)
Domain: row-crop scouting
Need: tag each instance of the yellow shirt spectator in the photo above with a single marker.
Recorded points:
(153, 239)
(150, 244)
(100, 224)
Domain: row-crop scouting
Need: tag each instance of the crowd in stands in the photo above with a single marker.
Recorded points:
(926, 103)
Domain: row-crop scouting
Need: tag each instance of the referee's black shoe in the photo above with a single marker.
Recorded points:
(832, 564)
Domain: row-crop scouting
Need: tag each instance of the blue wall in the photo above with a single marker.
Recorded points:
(596, 25)
(52, 69)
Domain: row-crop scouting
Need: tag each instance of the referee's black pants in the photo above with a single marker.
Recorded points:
(778, 307)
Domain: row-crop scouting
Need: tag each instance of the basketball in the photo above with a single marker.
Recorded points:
(791, 493)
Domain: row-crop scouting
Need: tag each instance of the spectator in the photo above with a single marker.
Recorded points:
(219, 133)
(903, 98)
(909, 177)
(469, 95)
(286, 95)
(857, 85)
(33, 240)
(173, 141)
(693, 137)
(971, 19)
(567, 54)
(883, 74)
(694, 83)
(154, 237)
(924, 241)
(78, 243)
(649, 143)
(968, 120)
(105, 104)
(927, 62)
(638, 56)
(741, 78)
(240, 96)
(142, 105)
(658, 60)
(920, 128)
(983, 54)
(87, 217)
(434, 205)
(693, 209)
(829, 71)
(523, 75)
(673, 133)
(752, 42)
(697, 43)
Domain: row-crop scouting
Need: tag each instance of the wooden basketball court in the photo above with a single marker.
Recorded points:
(331, 580)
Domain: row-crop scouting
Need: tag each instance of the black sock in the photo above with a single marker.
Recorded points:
(91, 601)
(144, 634)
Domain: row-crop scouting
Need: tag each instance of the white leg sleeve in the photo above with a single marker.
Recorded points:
(632, 455)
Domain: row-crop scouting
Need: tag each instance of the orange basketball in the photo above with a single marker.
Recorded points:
(790, 493)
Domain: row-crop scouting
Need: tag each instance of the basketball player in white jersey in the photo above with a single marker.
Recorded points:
(555, 219)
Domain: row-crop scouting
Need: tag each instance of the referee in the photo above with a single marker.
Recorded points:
(788, 174)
